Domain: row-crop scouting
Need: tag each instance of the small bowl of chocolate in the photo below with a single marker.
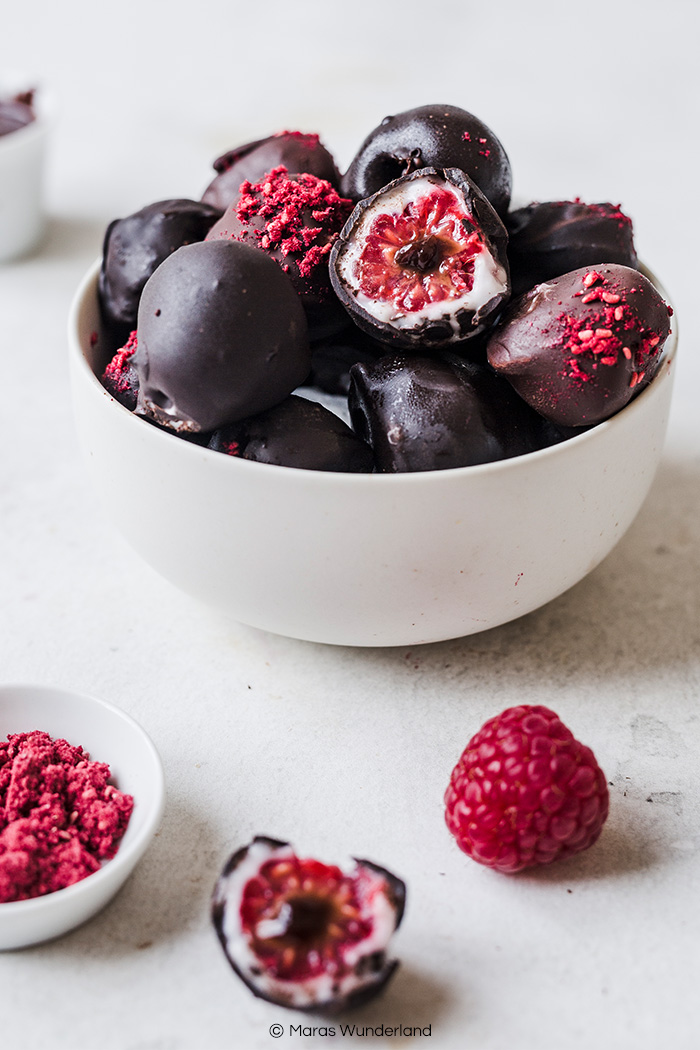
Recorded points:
(24, 126)
(323, 412)
(81, 797)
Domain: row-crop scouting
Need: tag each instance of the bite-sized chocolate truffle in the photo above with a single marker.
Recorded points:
(434, 413)
(221, 335)
(296, 433)
(120, 377)
(332, 359)
(579, 347)
(295, 150)
(294, 219)
(431, 137)
(422, 263)
(305, 934)
(135, 246)
(16, 112)
(555, 237)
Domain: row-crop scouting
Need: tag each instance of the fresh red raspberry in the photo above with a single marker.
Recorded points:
(525, 792)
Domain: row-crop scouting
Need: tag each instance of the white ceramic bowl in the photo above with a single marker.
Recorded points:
(111, 736)
(359, 559)
(22, 162)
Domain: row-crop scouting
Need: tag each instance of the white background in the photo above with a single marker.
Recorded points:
(340, 750)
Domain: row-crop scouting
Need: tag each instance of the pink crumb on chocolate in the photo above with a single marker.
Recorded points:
(59, 815)
(300, 216)
(600, 336)
(118, 368)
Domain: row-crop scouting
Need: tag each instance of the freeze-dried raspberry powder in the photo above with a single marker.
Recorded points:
(299, 215)
(118, 371)
(59, 815)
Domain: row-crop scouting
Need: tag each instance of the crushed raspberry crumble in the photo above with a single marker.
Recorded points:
(59, 815)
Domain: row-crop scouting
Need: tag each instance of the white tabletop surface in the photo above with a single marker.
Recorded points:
(349, 750)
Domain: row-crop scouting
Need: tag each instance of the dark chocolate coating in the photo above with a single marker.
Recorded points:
(579, 347)
(299, 210)
(221, 336)
(135, 246)
(332, 359)
(435, 413)
(555, 237)
(296, 433)
(431, 137)
(427, 332)
(16, 112)
(294, 150)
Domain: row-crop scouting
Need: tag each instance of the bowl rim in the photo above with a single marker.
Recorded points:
(124, 858)
(88, 285)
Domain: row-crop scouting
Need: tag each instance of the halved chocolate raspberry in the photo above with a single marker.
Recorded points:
(423, 262)
(305, 934)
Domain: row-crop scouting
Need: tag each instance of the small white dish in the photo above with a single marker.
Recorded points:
(22, 163)
(108, 735)
(365, 559)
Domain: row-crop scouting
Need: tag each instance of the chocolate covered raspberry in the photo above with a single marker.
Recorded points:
(579, 347)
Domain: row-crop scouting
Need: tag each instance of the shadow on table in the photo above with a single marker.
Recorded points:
(413, 999)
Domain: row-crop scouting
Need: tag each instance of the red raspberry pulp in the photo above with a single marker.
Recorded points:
(301, 916)
(525, 792)
(422, 255)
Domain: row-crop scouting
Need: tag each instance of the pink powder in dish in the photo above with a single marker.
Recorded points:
(59, 815)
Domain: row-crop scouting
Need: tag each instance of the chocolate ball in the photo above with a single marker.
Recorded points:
(553, 238)
(296, 433)
(579, 347)
(295, 150)
(135, 246)
(294, 219)
(221, 335)
(434, 413)
(431, 137)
